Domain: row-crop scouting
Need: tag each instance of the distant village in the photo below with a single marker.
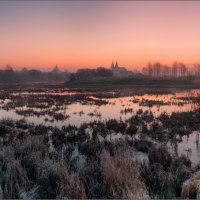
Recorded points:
(120, 71)
(152, 70)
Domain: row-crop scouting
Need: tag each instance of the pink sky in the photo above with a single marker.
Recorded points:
(70, 34)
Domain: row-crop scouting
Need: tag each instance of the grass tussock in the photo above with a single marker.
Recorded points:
(122, 176)
(191, 187)
(13, 176)
(72, 187)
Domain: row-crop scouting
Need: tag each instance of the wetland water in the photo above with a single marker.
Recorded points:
(61, 108)
(80, 112)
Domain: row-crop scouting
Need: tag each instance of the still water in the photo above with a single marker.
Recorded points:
(114, 108)
(80, 113)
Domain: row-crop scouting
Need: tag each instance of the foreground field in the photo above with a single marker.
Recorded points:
(120, 144)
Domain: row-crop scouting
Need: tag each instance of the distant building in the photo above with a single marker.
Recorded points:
(56, 70)
(120, 71)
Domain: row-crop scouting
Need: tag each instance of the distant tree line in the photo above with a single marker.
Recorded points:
(8, 75)
(85, 74)
(177, 70)
(155, 70)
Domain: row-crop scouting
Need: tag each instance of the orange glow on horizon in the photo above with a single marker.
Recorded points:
(73, 35)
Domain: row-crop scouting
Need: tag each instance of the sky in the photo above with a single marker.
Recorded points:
(79, 34)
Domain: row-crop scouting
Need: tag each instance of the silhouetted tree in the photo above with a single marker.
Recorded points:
(101, 71)
(9, 73)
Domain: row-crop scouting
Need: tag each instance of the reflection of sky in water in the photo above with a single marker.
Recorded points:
(190, 146)
(108, 111)
(111, 110)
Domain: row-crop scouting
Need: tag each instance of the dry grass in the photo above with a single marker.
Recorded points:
(122, 176)
(13, 176)
(37, 145)
(191, 187)
(33, 144)
(72, 187)
(55, 182)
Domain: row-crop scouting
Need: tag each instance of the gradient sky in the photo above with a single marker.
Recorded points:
(78, 34)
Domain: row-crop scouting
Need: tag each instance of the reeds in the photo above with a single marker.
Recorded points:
(122, 176)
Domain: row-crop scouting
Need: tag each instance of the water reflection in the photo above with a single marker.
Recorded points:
(189, 146)
(45, 107)
(80, 112)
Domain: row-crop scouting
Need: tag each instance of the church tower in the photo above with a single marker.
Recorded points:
(112, 66)
(116, 65)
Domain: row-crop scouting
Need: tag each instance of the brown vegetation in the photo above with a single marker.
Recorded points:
(191, 187)
(122, 176)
